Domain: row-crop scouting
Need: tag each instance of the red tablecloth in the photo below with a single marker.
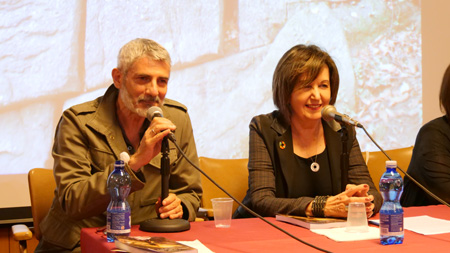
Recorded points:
(254, 235)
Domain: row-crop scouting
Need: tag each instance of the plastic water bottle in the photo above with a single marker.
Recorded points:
(118, 221)
(391, 213)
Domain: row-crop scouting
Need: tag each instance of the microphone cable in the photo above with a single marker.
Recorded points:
(404, 172)
(243, 206)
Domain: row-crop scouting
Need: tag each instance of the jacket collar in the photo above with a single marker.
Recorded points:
(105, 121)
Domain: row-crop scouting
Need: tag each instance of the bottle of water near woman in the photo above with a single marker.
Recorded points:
(118, 221)
(391, 213)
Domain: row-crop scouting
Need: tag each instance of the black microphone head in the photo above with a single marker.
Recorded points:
(328, 112)
(154, 111)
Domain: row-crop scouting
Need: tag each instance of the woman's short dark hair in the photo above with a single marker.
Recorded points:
(444, 94)
(305, 61)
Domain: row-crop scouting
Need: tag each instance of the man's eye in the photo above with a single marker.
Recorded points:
(142, 79)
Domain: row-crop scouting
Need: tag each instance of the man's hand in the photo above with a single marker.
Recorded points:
(150, 144)
(171, 207)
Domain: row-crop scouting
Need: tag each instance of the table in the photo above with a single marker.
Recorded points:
(255, 235)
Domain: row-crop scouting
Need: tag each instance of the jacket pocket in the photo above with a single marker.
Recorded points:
(100, 159)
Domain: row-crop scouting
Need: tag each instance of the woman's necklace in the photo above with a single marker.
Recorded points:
(315, 165)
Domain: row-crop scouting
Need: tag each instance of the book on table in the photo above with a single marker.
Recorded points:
(312, 222)
(151, 244)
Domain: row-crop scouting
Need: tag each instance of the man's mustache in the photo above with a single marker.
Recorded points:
(149, 99)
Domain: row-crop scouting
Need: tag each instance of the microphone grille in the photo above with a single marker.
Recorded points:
(154, 111)
(328, 112)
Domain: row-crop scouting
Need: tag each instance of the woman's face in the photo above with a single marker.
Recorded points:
(307, 102)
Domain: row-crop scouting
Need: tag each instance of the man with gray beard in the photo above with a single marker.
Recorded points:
(91, 136)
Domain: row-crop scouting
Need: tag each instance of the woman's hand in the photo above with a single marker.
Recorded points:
(336, 206)
(361, 193)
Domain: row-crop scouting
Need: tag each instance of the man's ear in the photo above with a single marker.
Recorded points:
(117, 77)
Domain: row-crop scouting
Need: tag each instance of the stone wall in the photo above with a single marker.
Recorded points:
(58, 53)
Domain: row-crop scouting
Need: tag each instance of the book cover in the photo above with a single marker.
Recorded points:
(312, 222)
(151, 244)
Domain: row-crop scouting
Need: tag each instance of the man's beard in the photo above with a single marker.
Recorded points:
(132, 106)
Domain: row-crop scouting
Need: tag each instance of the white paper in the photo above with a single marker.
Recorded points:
(198, 245)
(340, 235)
(425, 225)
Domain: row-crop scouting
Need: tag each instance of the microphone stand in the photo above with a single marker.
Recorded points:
(165, 168)
(344, 157)
(165, 225)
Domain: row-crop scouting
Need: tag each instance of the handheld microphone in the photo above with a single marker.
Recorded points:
(329, 113)
(155, 111)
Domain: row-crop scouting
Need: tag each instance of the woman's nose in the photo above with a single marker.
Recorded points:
(315, 93)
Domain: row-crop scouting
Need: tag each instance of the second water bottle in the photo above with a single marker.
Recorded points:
(391, 213)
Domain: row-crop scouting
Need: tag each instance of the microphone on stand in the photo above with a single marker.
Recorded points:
(158, 224)
(329, 113)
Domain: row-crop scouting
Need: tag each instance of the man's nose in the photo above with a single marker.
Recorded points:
(151, 88)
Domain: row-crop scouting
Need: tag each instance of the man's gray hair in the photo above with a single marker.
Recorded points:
(138, 48)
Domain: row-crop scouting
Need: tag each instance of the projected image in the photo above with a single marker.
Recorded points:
(58, 54)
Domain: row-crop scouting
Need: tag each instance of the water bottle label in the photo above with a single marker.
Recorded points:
(392, 223)
(119, 223)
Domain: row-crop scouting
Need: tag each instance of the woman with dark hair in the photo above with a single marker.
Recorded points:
(430, 162)
(294, 158)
